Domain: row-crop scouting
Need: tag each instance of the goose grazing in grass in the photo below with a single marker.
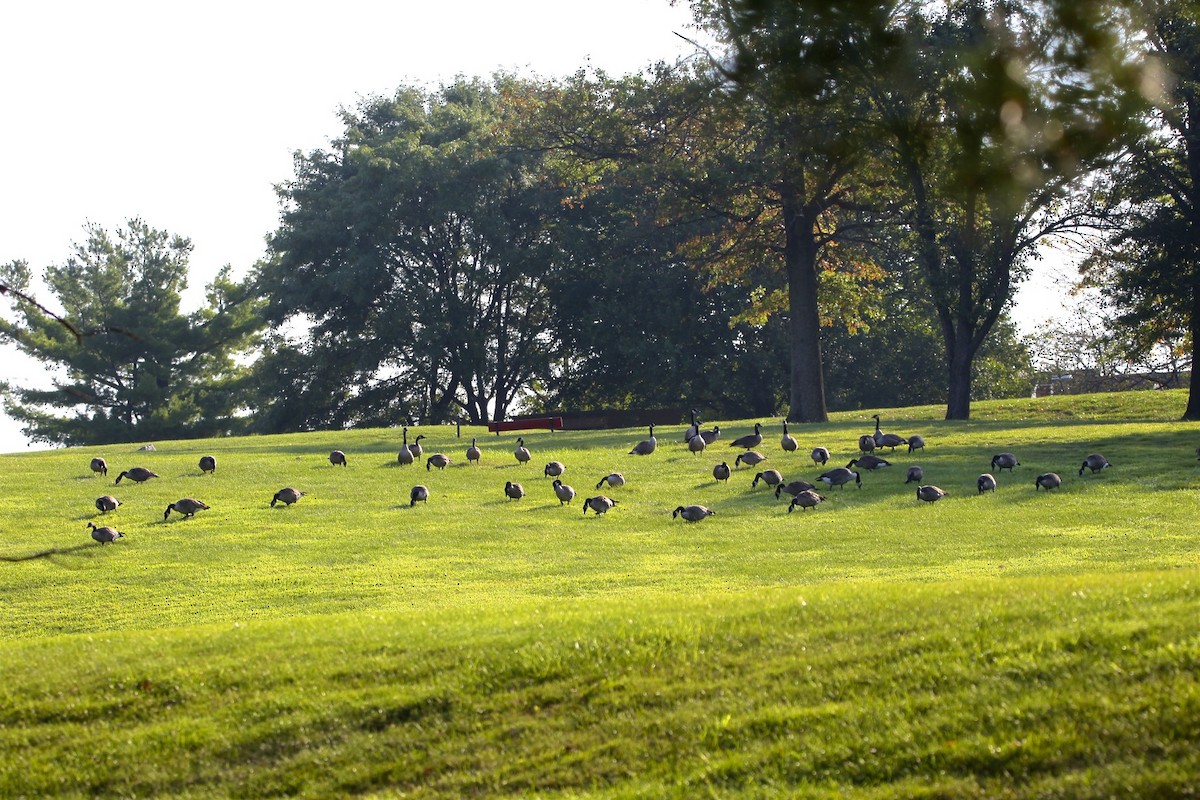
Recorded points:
(554, 469)
(613, 479)
(101, 466)
(750, 440)
(870, 462)
(1004, 461)
(692, 513)
(437, 460)
(646, 446)
(107, 503)
(840, 476)
(805, 500)
(915, 442)
(722, 472)
(104, 534)
(513, 491)
(693, 429)
(600, 504)
(415, 448)
(986, 483)
(1047, 481)
(915, 474)
(473, 452)
(770, 477)
(564, 493)
(137, 475)
(886, 439)
(1095, 462)
(930, 494)
(787, 441)
(793, 488)
(696, 444)
(711, 436)
(405, 456)
(866, 443)
(418, 494)
(337, 457)
(750, 458)
(188, 506)
(287, 496)
(208, 464)
(820, 455)
(521, 453)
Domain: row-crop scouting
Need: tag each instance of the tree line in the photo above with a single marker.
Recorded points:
(831, 208)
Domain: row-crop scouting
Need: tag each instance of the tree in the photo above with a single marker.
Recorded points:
(139, 368)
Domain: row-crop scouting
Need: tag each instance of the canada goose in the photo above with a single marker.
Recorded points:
(696, 444)
(104, 534)
(646, 446)
(915, 442)
(513, 491)
(692, 513)
(866, 443)
(415, 448)
(787, 441)
(1004, 461)
(208, 464)
(1047, 481)
(886, 439)
(930, 494)
(418, 493)
(770, 477)
(188, 506)
(437, 460)
(521, 454)
(287, 496)
(600, 504)
(100, 465)
(1095, 462)
(820, 455)
(614, 479)
(693, 429)
(840, 476)
(337, 457)
(137, 475)
(564, 493)
(721, 472)
(405, 456)
(1197, 455)
(711, 436)
(915, 474)
(793, 488)
(869, 462)
(750, 458)
(806, 500)
(554, 469)
(986, 483)
(107, 503)
(473, 452)
(750, 440)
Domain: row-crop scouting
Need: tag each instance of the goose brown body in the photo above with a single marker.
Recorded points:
(337, 457)
(287, 496)
(564, 493)
(104, 534)
(513, 491)
(771, 477)
(188, 506)
(107, 503)
(692, 513)
(1047, 481)
(793, 488)
(805, 500)
(208, 464)
(437, 460)
(721, 471)
(750, 440)
(750, 458)
(986, 483)
(418, 494)
(600, 504)
(930, 494)
(137, 475)
(100, 465)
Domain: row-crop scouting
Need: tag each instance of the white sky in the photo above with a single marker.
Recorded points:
(187, 115)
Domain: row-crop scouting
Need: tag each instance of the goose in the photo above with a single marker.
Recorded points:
(886, 439)
(513, 491)
(1197, 454)
(554, 469)
(337, 457)
(188, 506)
(696, 444)
(1095, 462)
(418, 493)
(915, 442)
(107, 503)
(600, 504)
(750, 458)
(870, 462)
(820, 455)
(986, 483)
(866, 443)
(405, 456)
(722, 472)
(100, 465)
(693, 429)
(750, 440)
(1047, 481)
(137, 475)
(770, 477)
(564, 493)
(787, 441)
(646, 446)
(793, 488)
(614, 479)
(437, 460)
(805, 500)
(840, 476)
(711, 436)
(287, 496)
(473, 452)
(915, 474)
(521, 454)
(1004, 461)
(415, 448)
(931, 493)
(692, 513)
(208, 464)
(104, 534)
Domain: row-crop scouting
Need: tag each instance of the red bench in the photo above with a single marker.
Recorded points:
(529, 423)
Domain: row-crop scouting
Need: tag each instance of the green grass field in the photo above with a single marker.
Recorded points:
(1023, 644)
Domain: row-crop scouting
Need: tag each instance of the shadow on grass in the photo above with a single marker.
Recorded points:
(53, 551)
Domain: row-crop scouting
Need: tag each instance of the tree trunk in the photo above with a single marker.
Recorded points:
(958, 376)
(807, 385)
(1193, 405)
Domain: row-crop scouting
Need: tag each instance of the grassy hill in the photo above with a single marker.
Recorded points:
(1022, 644)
